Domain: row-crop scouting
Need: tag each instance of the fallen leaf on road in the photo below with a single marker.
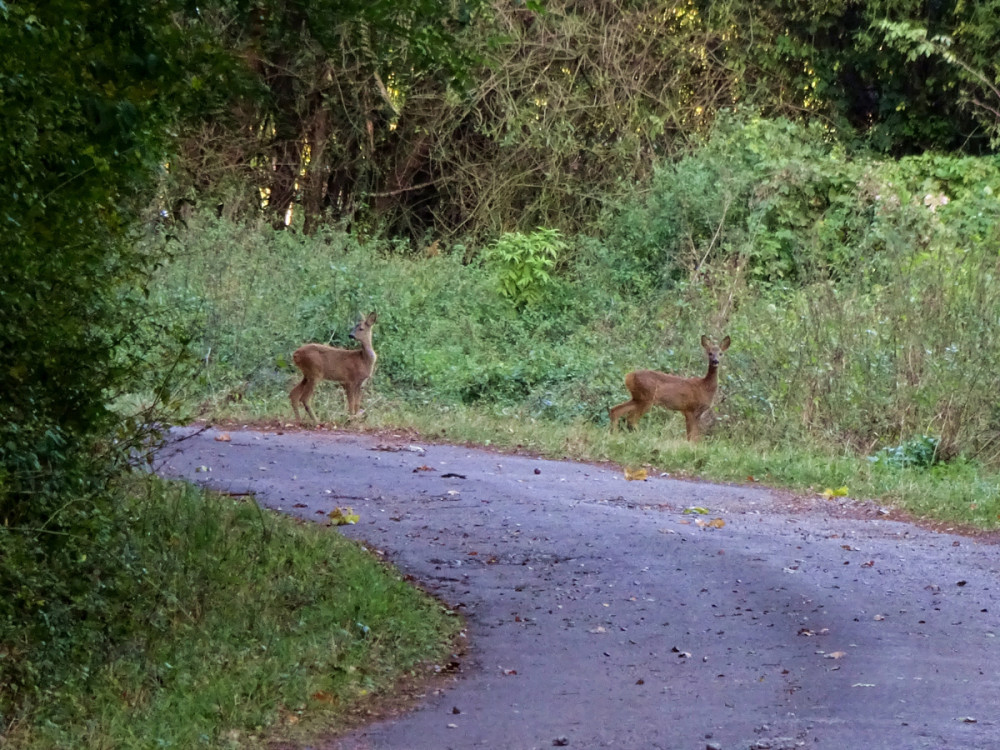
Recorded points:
(425, 467)
(697, 509)
(342, 516)
(715, 523)
(634, 475)
(835, 655)
(807, 632)
(839, 492)
(223, 438)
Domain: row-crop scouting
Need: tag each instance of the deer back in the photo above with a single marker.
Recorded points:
(321, 362)
(671, 391)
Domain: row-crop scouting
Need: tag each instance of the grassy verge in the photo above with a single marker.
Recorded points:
(237, 627)
(959, 492)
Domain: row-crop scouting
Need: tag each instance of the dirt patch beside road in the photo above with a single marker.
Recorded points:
(601, 614)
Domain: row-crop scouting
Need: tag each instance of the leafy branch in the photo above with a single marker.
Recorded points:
(915, 42)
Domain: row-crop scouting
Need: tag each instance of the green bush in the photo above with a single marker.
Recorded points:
(918, 452)
(525, 262)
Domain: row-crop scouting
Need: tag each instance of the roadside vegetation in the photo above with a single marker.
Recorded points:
(232, 627)
(536, 198)
(860, 295)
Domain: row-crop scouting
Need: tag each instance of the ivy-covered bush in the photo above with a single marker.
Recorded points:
(86, 94)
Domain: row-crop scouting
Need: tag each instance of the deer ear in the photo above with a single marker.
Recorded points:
(724, 345)
(372, 317)
(704, 341)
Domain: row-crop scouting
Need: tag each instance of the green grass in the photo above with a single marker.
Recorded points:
(238, 626)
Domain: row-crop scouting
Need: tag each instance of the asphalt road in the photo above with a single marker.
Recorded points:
(602, 615)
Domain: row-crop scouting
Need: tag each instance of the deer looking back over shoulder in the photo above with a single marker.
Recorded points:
(349, 367)
(692, 397)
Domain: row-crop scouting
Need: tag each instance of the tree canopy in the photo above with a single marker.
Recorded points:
(425, 118)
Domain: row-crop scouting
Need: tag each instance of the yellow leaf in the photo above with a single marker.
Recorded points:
(341, 516)
(715, 523)
(223, 438)
(839, 492)
(697, 509)
(635, 474)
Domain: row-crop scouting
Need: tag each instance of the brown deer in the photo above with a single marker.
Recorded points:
(692, 397)
(349, 367)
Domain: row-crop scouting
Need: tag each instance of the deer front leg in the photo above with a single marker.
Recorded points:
(353, 393)
(691, 419)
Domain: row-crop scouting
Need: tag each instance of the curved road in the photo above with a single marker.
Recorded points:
(602, 615)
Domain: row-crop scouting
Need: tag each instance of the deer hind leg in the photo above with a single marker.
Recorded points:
(294, 397)
(617, 412)
(300, 395)
(641, 407)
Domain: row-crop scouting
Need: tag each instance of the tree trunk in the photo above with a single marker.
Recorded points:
(318, 168)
